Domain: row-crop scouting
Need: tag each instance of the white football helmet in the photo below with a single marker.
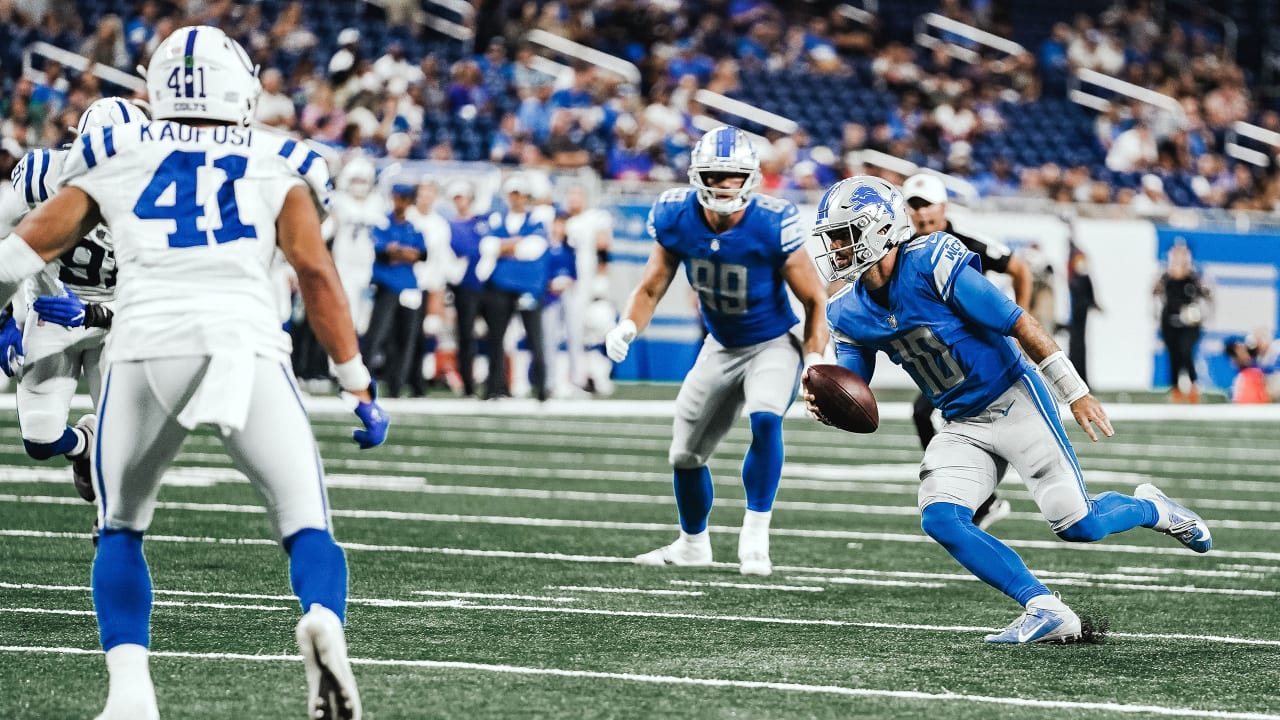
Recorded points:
(860, 219)
(724, 151)
(200, 73)
(109, 111)
(357, 177)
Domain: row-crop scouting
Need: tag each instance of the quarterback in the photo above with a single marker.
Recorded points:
(925, 303)
(198, 204)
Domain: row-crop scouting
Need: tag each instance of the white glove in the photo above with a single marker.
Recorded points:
(618, 340)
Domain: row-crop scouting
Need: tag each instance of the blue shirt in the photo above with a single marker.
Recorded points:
(737, 273)
(510, 274)
(946, 325)
(398, 277)
(562, 261)
(465, 242)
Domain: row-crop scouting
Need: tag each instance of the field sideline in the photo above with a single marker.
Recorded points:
(490, 550)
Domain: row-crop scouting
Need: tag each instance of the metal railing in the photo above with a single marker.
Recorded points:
(623, 69)
(1085, 76)
(737, 108)
(963, 189)
(954, 27)
(1230, 31)
(865, 15)
(80, 63)
(1262, 135)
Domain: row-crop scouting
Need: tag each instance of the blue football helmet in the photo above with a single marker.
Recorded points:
(724, 150)
(860, 219)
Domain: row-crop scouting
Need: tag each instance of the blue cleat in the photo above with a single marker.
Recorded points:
(1184, 525)
(1040, 624)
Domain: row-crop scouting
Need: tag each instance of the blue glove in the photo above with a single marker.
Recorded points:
(10, 347)
(66, 311)
(375, 421)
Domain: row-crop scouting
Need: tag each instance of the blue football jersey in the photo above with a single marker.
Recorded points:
(954, 346)
(737, 273)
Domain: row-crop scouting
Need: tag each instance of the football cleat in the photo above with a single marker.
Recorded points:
(1038, 625)
(81, 468)
(1184, 525)
(331, 686)
(992, 513)
(681, 553)
(753, 554)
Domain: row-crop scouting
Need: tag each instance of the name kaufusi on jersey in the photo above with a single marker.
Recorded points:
(193, 212)
(738, 273)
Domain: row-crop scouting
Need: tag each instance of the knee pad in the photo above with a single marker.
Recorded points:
(683, 459)
(947, 523)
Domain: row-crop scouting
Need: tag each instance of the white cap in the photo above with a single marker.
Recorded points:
(926, 187)
(348, 36)
(1152, 182)
(459, 188)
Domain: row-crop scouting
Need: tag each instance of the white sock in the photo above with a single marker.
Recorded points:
(130, 673)
(702, 538)
(1047, 602)
(756, 522)
(82, 443)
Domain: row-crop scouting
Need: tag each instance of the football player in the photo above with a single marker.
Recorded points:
(198, 204)
(927, 207)
(926, 304)
(740, 251)
(65, 312)
(356, 209)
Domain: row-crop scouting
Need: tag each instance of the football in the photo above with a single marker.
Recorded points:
(843, 398)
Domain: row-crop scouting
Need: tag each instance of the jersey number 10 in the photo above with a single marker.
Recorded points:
(180, 171)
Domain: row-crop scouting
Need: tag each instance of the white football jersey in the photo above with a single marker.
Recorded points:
(89, 268)
(193, 211)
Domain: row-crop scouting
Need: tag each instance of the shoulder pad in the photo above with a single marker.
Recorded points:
(666, 209)
(773, 204)
(946, 255)
(91, 148)
(32, 178)
(308, 165)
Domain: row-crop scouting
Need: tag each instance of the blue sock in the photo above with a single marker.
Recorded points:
(1111, 512)
(993, 562)
(122, 589)
(61, 446)
(317, 570)
(762, 468)
(693, 497)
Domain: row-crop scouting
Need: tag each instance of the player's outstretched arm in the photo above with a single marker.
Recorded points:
(1070, 388)
(44, 234)
(658, 273)
(802, 277)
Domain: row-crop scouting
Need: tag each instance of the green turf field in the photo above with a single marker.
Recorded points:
(490, 578)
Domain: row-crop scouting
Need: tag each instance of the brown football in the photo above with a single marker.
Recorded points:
(843, 398)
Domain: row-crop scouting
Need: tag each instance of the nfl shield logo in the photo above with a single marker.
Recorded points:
(715, 246)
(893, 321)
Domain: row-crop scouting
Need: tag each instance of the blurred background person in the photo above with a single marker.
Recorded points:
(395, 325)
(1180, 294)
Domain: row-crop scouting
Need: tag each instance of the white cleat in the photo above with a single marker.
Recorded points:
(998, 511)
(682, 553)
(753, 553)
(141, 710)
(1047, 619)
(331, 686)
(1177, 520)
(131, 695)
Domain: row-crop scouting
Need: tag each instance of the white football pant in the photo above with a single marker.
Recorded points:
(55, 358)
(139, 435)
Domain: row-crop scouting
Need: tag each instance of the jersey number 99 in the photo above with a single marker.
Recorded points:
(722, 288)
(180, 170)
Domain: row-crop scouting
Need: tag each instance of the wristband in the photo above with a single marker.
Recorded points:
(813, 358)
(1063, 378)
(353, 375)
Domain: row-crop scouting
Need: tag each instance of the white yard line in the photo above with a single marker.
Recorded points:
(627, 591)
(749, 586)
(492, 596)
(458, 603)
(670, 680)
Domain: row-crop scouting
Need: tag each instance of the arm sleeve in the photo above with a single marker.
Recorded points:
(852, 357)
(980, 302)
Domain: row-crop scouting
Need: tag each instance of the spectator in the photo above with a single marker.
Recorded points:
(106, 46)
(1249, 384)
(395, 324)
(466, 230)
(274, 107)
(142, 28)
(1133, 150)
(1152, 199)
(1180, 294)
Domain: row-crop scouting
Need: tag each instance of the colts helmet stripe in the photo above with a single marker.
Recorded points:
(189, 64)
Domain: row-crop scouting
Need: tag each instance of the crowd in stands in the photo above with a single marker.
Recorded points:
(363, 78)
